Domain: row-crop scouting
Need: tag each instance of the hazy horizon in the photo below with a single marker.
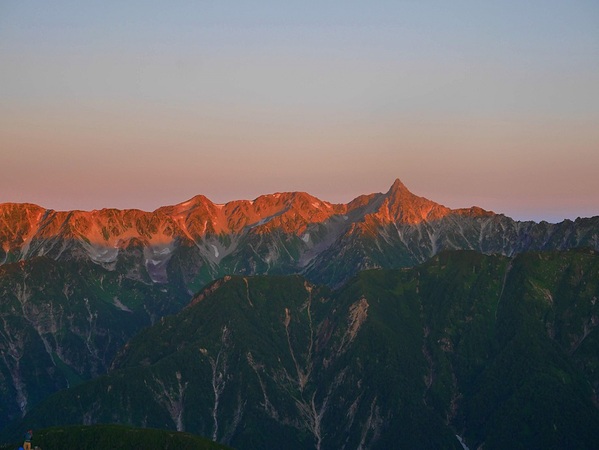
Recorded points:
(137, 105)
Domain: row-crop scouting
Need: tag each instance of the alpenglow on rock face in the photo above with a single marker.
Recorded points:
(75, 286)
(197, 241)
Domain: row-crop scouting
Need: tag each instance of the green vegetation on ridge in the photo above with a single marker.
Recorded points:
(502, 351)
(115, 437)
(63, 322)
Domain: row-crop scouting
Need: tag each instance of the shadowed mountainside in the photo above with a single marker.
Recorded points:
(63, 322)
(115, 437)
(501, 351)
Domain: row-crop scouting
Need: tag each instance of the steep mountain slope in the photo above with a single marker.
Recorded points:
(405, 230)
(68, 279)
(62, 323)
(502, 351)
(198, 241)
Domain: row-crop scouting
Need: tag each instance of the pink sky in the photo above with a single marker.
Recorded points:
(112, 106)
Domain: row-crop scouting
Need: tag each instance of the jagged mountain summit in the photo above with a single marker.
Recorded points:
(197, 241)
(75, 286)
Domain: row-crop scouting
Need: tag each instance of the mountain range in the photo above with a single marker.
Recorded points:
(77, 287)
(197, 241)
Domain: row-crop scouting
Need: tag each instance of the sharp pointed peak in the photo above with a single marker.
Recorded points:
(398, 186)
(398, 182)
(197, 199)
(194, 202)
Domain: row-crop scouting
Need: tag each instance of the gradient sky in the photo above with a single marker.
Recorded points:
(145, 103)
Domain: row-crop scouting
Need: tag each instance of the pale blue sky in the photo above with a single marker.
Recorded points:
(141, 104)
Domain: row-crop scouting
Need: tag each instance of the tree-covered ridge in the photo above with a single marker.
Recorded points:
(62, 323)
(500, 351)
(115, 437)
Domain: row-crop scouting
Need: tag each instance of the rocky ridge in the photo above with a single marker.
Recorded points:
(198, 241)
(75, 286)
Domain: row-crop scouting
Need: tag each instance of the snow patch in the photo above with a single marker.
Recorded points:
(156, 259)
(306, 237)
(464, 446)
(263, 221)
(215, 250)
(120, 305)
(101, 254)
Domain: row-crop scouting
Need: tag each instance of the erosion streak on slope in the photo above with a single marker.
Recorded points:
(15, 352)
(372, 425)
(172, 399)
(308, 309)
(219, 376)
(301, 376)
(358, 312)
(247, 291)
(503, 283)
(267, 405)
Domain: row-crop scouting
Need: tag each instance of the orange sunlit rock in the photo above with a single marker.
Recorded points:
(198, 217)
